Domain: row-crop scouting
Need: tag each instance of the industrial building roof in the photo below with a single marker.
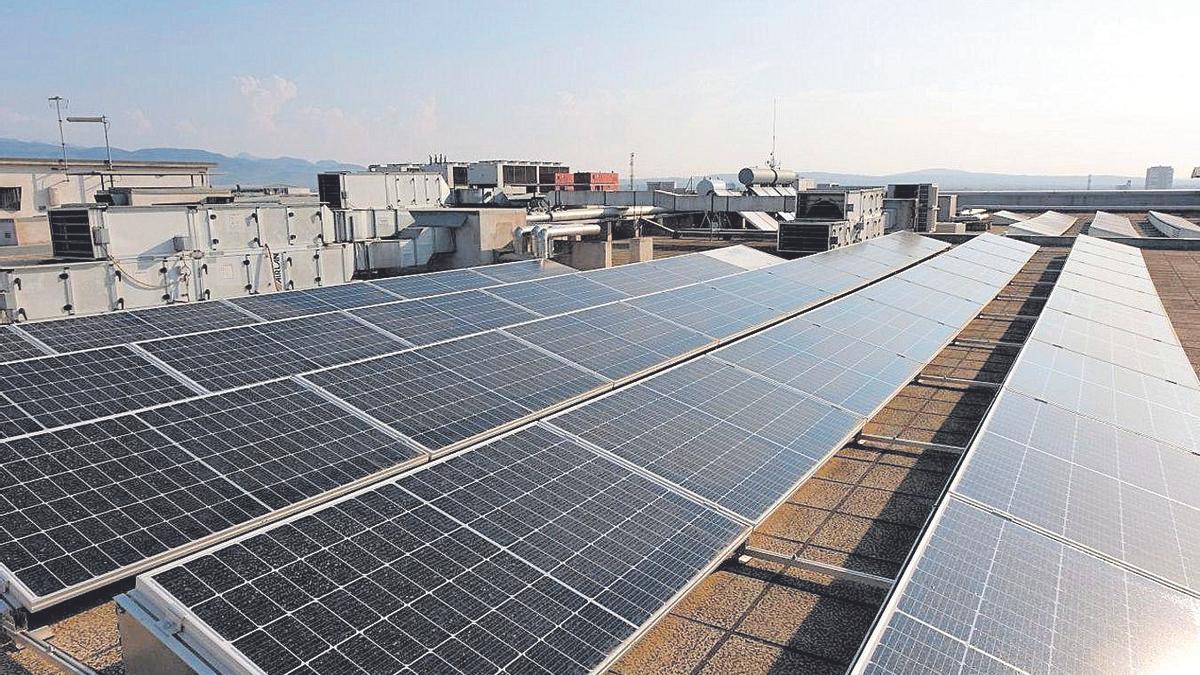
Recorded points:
(859, 511)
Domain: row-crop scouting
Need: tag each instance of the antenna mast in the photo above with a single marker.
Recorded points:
(774, 118)
(60, 103)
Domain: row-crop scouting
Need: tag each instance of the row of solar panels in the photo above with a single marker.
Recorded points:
(127, 370)
(97, 500)
(1071, 539)
(548, 549)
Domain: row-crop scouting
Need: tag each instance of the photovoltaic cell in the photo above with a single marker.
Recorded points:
(524, 270)
(1147, 320)
(1157, 408)
(59, 390)
(429, 572)
(282, 305)
(183, 318)
(280, 442)
(425, 285)
(230, 358)
(13, 347)
(444, 317)
(349, 296)
(706, 310)
(729, 436)
(614, 340)
(329, 339)
(990, 596)
(557, 294)
(1116, 345)
(85, 332)
(696, 267)
(637, 279)
(84, 501)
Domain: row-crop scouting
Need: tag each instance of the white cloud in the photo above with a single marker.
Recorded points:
(266, 98)
(139, 122)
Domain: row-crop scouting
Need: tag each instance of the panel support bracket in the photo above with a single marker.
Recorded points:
(748, 552)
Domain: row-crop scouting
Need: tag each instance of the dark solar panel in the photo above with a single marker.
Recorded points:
(280, 442)
(420, 399)
(637, 279)
(59, 390)
(555, 295)
(84, 501)
(697, 267)
(184, 318)
(524, 270)
(13, 347)
(731, 437)
(706, 310)
(348, 296)
(330, 339)
(85, 332)
(614, 340)
(531, 554)
(230, 358)
(283, 305)
(424, 285)
(444, 317)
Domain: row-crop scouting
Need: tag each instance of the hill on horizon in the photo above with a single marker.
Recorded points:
(245, 169)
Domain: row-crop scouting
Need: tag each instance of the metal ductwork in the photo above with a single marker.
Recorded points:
(543, 234)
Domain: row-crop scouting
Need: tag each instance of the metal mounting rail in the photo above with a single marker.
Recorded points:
(834, 571)
(36, 641)
(942, 379)
(988, 344)
(1017, 298)
(1008, 317)
(923, 445)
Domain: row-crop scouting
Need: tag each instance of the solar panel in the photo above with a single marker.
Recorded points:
(1110, 276)
(558, 294)
(445, 394)
(696, 267)
(1158, 408)
(182, 318)
(868, 321)
(330, 339)
(1090, 482)
(1086, 258)
(781, 293)
(425, 285)
(706, 310)
(229, 358)
(947, 308)
(280, 442)
(84, 501)
(444, 317)
(614, 340)
(967, 280)
(1097, 288)
(282, 305)
(59, 390)
(14, 347)
(523, 270)
(732, 437)
(13, 420)
(347, 296)
(529, 554)
(1117, 345)
(637, 279)
(86, 332)
(988, 595)
(1147, 320)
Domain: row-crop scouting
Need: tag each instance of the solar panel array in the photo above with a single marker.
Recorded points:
(541, 551)
(397, 409)
(1071, 537)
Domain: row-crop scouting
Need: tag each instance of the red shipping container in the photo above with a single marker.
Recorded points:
(564, 179)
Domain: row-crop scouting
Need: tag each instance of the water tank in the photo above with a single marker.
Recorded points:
(707, 186)
(765, 175)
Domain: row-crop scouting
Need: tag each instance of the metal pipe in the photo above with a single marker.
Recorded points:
(542, 234)
(618, 212)
(519, 234)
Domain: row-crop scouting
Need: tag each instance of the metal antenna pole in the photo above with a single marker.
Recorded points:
(631, 172)
(774, 118)
(107, 147)
(59, 102)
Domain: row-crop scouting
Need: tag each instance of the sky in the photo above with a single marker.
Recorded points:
(1058, 87)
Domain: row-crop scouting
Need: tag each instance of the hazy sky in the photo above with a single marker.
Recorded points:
(1050, 86)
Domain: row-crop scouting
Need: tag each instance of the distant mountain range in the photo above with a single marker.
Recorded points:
(248, 170)
(953, 179)
(240, 170)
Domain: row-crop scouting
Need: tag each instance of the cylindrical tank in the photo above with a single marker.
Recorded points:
(765, 175)
(707, 186)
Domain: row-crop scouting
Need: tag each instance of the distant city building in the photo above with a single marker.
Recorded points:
(1160, 178)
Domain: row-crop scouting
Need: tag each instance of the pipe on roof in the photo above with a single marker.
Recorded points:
(542, 234)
